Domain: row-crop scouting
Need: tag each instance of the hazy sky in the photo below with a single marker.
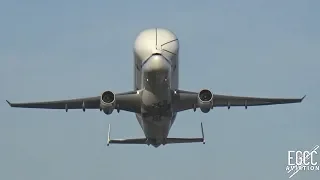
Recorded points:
(52, 50)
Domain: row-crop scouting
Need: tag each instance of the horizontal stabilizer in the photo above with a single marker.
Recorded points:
(128, 141)
(187, 140)
(125, 141)
(149, 141)
(145, 141)
(184, 140)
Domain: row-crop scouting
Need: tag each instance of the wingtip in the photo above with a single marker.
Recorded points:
(303, 97)
(9, 103)
(108, 140)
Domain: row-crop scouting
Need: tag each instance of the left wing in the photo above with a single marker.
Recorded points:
(184, 100)
(128, 101)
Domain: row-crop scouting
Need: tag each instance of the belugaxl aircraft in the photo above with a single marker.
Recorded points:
(156, 98)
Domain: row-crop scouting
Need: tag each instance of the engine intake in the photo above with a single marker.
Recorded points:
(205, 100)
(107, 102)
(108, 97)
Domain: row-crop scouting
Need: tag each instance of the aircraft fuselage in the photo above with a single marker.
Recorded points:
(156, 72)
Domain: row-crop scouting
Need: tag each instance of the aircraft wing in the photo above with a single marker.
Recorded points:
(89, 103)
(185, 100)
(128, 101)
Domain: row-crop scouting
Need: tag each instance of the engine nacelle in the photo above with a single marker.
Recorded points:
(205, 100)
(107, 102)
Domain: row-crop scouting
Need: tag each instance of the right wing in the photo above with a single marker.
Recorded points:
(128, 101)
(185, 100)
(89, 103)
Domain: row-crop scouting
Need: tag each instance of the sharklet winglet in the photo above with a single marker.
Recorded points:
(203, 140)
(108, 141)
(9, 103)
(156, 38)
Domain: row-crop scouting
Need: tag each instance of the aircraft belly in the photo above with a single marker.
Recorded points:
(155, 127)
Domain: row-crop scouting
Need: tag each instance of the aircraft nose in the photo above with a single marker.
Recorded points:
(156, 63)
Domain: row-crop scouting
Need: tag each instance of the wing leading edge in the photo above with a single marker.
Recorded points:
(185, 100)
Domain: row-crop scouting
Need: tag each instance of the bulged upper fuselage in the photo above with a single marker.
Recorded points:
(156, 73)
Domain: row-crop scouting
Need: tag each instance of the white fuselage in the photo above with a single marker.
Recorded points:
(156, 73)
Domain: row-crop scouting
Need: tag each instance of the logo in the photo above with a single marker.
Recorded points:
(302, 161)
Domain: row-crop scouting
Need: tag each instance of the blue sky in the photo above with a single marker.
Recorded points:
(66, 49)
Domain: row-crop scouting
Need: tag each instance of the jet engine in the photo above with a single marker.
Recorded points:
(205, 100)
(107, 102)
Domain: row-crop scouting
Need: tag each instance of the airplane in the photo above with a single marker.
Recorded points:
(156, 98)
